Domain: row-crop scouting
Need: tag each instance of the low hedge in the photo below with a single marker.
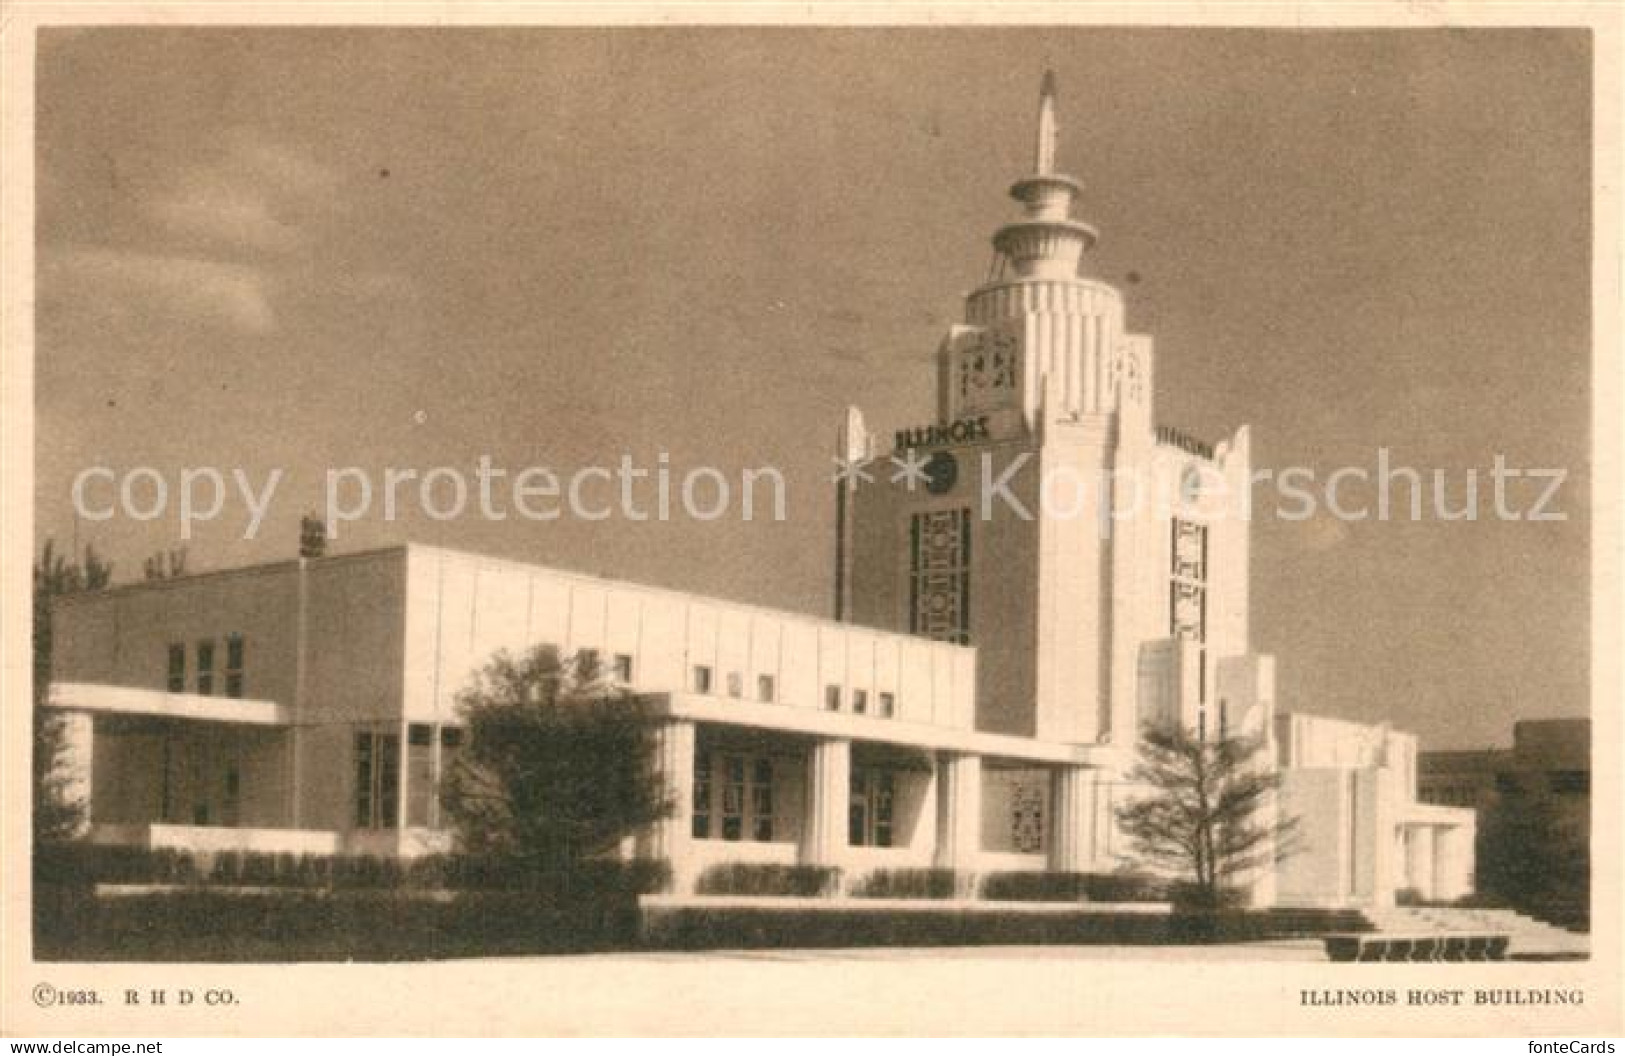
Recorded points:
(908, 883)
(746, 879)
(700, 928)
(86, 865)
(222, 925)
(696, 928)
(1041, 886)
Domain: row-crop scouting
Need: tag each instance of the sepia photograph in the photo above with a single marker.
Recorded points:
(752, 525)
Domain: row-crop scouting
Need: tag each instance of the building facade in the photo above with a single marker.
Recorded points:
(1048, 572)
(1533, 805)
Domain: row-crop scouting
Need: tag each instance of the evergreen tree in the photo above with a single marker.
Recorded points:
(1202, 814)
(558, 765)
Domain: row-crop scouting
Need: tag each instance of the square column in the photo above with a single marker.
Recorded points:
(1453, 861)
(76, 764)
(669, 838)
(1072, 830)
(959, 810)
(1419, 872)
(829, 799)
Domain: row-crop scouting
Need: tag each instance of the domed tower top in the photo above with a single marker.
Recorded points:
(1046, 243)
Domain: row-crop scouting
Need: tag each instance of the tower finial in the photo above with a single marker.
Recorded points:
(1046, 242)
(1044, 161)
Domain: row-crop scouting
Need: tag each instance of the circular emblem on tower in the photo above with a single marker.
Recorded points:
(941, 471)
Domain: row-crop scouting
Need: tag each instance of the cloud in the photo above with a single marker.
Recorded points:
(220, 236)
(148, 286)
(226, 217)
(246, 200)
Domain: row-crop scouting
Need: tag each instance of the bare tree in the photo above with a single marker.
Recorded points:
(165, 564)
(1205, 812)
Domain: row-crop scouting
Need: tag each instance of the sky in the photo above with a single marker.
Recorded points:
(311, 249)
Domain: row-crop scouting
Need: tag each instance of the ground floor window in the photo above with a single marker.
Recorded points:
(420, 777)
(431, 753)
(873, 807)
(1027, 817)
(377, 779)
(702, 795)
(733, 797)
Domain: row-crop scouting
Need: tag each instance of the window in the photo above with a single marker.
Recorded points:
(233, 794)
(702, 796)
(761, 801)
(451, 748)
(888, 705)
(377, 779)
(744, 803)
(420, 783)
(205, 666)
(736, 684)
(623, 669)
(733, 798)
(1187, 582)
(869, 819)
(832, 698)
(860, 702)
(1027, 817)
(589, 666)
(365, 787)
(234, 665)
(702, 678)
(939, 575)
(765, 689)
(177, 668)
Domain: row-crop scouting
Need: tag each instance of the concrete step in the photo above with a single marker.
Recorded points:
(1530, 938)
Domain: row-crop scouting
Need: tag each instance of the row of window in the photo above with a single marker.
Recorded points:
(203, 674)
(885, 703)
(703, 681)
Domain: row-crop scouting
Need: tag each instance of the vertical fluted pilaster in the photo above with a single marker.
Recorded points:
(829, 794)
(959, 810)
(1073, 816)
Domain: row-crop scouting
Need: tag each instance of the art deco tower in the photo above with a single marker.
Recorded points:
(1016, 544)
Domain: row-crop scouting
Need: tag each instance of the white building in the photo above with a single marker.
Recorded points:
(1006, 621)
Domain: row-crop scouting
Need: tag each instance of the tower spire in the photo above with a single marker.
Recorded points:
(1044, 157)
(1046, 242)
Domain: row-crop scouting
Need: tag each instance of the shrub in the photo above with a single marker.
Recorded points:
(1042, 886)
(1193, 898)
(908, 883)
(88, 864)
(738, 878)
(1035, 886)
